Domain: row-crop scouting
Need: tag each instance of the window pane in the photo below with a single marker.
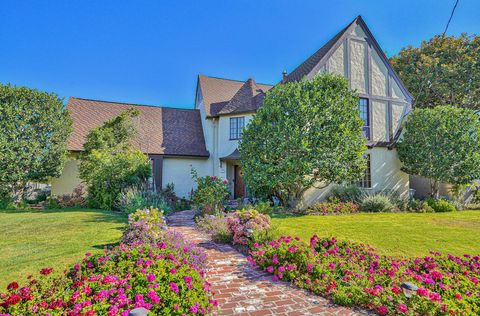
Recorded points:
(366, 180)
(364, 115)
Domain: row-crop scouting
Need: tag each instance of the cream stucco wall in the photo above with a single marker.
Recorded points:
(68, 180)
(386, 176)
(178, 171)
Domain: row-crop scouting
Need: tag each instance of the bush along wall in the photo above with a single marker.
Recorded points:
(355, 275)
(165, 276)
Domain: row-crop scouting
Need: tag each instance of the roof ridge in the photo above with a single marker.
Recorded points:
(134, 104)
(236, 80)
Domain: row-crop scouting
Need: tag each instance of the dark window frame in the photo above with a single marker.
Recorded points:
(236, 127)
(364, 107)
(366, 180)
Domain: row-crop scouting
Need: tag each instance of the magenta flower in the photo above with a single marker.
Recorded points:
(151, 277)
(174, 287)
(402, 308)
(270, 269)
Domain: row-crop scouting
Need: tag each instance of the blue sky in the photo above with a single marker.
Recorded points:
(151, 52)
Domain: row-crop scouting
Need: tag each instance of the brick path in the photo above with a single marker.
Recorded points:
(245, 290)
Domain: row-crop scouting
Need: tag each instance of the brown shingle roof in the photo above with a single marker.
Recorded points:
(217, 92)
(247, 99)
(168, 131)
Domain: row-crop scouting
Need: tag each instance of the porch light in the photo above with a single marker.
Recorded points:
(409, 289)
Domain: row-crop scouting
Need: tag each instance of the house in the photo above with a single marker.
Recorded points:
(206, 137)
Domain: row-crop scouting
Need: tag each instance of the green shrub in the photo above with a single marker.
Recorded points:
(211, 193)
(441, 206)
(264, 207)
(377, 203)
(134, 199)
(146, 226)
(346, 193)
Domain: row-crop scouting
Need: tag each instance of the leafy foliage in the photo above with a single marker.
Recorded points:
(110, 165)
(216, 227)
(377, 203)
(145, 225)
(305, 133)
(76, 199)
(34, 128)
(210, 194)
(442, 144)
(133, 199)
(441, 205)
(442, 71)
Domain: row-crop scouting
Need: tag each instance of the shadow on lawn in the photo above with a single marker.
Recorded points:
(100, 215)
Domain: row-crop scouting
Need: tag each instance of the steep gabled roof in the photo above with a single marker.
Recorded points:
(160, 130)
(217, 92)
(308, 65)
(314, 62)
(247, 99)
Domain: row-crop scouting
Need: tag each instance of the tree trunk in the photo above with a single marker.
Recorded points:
(434, 186)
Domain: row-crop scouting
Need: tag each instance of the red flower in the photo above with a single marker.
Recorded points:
(46, 271)
(402, 308)
(12, 286)
(383, 310)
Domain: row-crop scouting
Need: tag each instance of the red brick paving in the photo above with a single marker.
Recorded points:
(245, 290)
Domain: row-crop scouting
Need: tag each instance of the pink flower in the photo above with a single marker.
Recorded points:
(402, 308)
(309, 267)
(173, 270)
(270, 269)
(151, 277)
(187, 279)
(383, 310)
(174, 287)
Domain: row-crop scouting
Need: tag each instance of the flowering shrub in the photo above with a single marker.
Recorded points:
(146, 225)
(216, 227)
(76, 199)
(244, 223)
(324, 208)
(211, 193)
(354, 274)
(166, 278)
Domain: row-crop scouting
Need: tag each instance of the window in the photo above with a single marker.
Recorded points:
(236, 127)
(364, 114)
(366, 180)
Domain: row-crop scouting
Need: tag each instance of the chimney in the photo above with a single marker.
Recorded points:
(284, 76)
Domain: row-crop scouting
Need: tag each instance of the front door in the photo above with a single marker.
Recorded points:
(239, 186)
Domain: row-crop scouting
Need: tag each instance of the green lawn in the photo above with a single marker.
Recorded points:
(397, 234)
(30, 240)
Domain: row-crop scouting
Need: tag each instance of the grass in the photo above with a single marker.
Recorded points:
(396, 234)
(31, 240)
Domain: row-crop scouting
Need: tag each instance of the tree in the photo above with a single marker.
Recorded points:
(442, 144)
(34, 128)
(110, 164)
(443, 71)
(306, 133)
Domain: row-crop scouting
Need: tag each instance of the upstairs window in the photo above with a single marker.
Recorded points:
(236, 127)
(366, 180)
(364, 114)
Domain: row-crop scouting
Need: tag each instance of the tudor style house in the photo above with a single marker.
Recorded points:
(206, 137)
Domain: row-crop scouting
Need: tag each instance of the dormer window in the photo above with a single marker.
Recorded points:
(364, 114)
(236, 127)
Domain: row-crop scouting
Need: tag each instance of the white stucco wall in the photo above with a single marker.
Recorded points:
(225, 145)
(336, 62)
(386, 176)
(68, 180)
(379, 120)
(358, 66)
(178, 171)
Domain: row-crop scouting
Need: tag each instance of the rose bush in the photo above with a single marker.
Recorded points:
(211, 193)
(243, 224)
(166, 278)
(354, 274)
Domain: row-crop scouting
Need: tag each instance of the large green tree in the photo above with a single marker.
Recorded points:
(443, 71)
(110, 164)
(34, 128)
(306, 134)
(442, 144)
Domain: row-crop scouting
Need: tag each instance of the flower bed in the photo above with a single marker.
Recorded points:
(324, 208)
(355, 275)
(244, 224)
(166, 278)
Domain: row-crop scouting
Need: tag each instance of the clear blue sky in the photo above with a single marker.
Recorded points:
(150, 52)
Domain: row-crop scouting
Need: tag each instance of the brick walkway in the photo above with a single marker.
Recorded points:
(245, 290)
